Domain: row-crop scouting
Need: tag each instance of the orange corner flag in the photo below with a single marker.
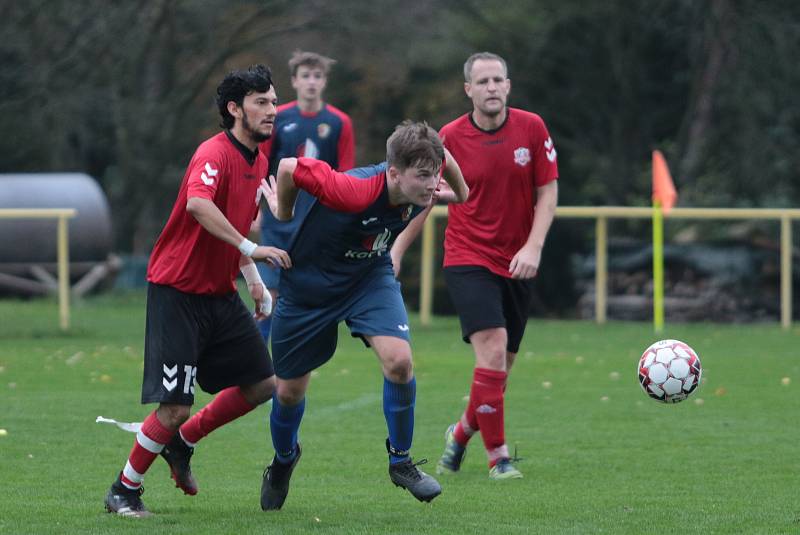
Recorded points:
(663, 188)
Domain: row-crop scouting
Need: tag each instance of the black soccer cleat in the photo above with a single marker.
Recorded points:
(405, 474)
(126, 502)
(178, 454)
(275, 485)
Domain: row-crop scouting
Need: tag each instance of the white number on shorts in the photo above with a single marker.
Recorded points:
(189, 373)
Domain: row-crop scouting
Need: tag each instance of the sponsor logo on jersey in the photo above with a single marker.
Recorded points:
(308, 149)
(522, 156)
(376, 245)
(323, 130)
(493, 142)
(289, 127)
(550, 150)
(366, 222)
(208, 175)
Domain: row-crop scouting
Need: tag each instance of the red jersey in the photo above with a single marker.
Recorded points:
(186, 256)
(502, 168)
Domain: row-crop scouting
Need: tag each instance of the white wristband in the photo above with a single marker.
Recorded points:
(250, 274)
(247, 247)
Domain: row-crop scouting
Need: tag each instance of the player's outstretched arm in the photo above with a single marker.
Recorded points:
(214, 221)
(286, 189)
(458, 190)
(525, 264)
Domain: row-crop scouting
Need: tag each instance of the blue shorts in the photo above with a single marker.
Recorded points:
(304, 338)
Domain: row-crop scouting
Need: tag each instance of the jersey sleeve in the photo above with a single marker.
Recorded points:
(544, 155)
(266, 148)
(346, 147)
(206, 170)
(338, 191)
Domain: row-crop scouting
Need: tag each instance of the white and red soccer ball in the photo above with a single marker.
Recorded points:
(669, 371)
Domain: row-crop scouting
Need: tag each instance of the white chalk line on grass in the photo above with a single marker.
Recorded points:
(346, 406)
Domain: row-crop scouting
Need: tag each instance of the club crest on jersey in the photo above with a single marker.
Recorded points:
(522, 156)
(323, 130)
(376, 245)
(407, 213)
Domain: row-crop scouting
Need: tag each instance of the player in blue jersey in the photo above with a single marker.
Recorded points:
(307, 127)
(342, 271)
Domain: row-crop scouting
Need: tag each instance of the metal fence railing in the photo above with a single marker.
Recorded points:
(62, 215)
(601, 215)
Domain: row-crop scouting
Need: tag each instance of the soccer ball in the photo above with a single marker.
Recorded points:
(669, 371)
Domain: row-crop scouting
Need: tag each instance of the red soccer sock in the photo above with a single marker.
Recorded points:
(487, 392)
(225, 407)
(150, 441)
(467, 426)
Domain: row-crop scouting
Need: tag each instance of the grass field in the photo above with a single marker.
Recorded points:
(600, 457)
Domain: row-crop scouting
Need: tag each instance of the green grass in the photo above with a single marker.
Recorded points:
(600, 457)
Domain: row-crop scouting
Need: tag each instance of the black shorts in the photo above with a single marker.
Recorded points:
(211, 340)
(484, 300)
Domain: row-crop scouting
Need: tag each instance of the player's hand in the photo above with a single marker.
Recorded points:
(273, 256)
(444, 193)
(397, 262)
(525, 264)
(269, 194)
(262, 299)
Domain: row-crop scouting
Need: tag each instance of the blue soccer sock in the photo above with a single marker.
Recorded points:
(398, 408)
(284, 423)
(265, 326)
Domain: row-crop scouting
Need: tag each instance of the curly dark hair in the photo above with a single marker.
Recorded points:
(237, 85)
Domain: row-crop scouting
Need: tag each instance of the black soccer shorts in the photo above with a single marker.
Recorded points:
(484, 300)
(208, 340)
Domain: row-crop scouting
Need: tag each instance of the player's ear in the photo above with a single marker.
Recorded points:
(234, 109)
(468, 89)
(391, 173)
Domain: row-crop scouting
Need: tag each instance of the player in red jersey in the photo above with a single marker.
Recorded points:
(197, 327)
(493, 246)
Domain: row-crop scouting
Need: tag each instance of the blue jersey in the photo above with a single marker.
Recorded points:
(344, 235)
(326, 135)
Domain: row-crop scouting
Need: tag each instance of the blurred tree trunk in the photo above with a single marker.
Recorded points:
(717, 42)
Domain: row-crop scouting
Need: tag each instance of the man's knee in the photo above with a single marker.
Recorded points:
(260, 392)
(289, 393)
(490, 348)
(172, 416)
(397, 366)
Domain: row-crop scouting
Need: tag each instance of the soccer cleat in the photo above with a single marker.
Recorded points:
(178, 454)
(454, 453)
(504, 469)
(405, 474)
(275, 485)
(126, 502)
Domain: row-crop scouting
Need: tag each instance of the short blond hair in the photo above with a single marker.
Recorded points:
(311, 60)
(487, 56)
